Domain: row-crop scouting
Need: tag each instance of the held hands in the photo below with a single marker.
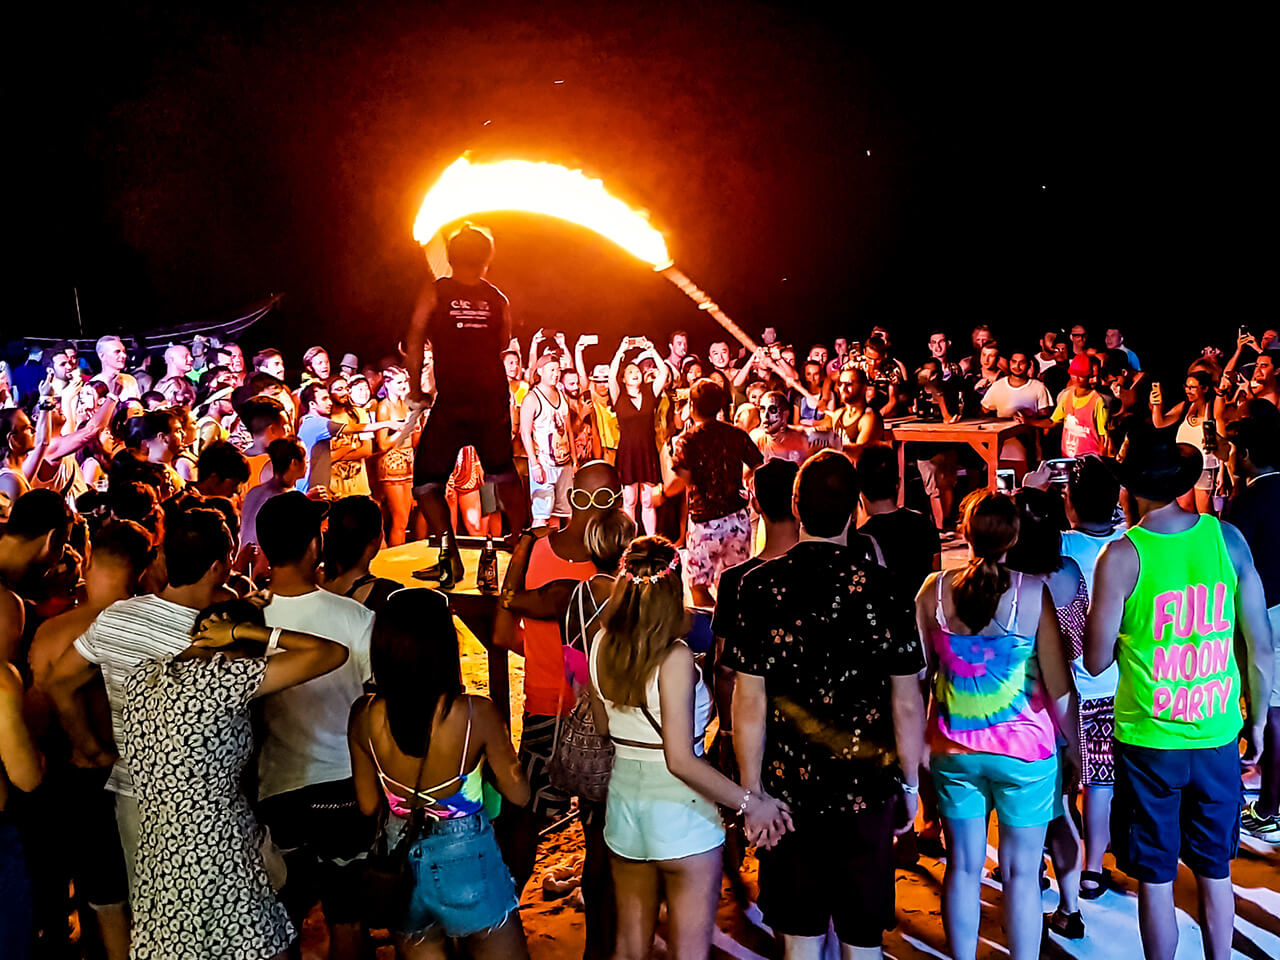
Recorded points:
(766, 820)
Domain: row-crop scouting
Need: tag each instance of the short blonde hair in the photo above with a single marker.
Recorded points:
(607, 538)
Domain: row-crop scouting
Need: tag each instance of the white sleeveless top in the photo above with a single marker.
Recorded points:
(630, 723)
(551, 429)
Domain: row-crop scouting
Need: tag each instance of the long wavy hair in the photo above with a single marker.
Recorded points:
(415, 664)
(644, 614)
(989, 522)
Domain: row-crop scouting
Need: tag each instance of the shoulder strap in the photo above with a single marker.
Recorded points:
(937, 610)
(466, 741)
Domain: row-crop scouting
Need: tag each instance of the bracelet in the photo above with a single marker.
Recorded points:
(233, 633)
(911, 789)
(746, 802)
(273, 643)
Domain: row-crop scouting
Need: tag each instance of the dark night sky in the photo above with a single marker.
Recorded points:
(179, 163)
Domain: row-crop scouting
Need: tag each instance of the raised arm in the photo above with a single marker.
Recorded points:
(615, 367)
(300, 656)
(664, 372)
(1166, 419)
(59, 447)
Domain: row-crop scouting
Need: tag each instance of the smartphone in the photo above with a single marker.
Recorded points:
(1005, 480)
(1060, 469)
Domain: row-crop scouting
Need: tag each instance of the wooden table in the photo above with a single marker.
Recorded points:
(477, 610)
(986, 436)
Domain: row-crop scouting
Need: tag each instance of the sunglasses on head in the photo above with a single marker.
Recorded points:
(601, 499)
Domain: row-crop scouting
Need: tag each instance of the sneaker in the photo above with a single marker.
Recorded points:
(1266, 829)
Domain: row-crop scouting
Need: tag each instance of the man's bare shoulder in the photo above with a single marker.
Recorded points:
(55, 635)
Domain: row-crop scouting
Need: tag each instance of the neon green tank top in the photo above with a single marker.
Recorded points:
(1179, 684)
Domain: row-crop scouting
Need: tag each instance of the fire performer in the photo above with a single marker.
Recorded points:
(469, 323)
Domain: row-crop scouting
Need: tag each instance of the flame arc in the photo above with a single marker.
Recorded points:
(466, 188)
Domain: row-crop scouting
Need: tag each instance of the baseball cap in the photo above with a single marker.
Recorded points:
(600, 373)
(350, 360)
(1079, 366)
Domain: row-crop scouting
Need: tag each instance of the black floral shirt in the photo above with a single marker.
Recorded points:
(826, 632)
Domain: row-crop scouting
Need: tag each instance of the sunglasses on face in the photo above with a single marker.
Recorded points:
(601, 499)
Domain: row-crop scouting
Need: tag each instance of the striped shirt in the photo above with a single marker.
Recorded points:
(123, 637)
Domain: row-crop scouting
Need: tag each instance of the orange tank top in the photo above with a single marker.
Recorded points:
(545, 685)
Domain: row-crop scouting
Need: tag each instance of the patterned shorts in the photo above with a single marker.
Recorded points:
(715, 546)
(1097, 730)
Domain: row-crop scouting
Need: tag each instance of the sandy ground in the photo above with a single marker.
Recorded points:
(554, 925)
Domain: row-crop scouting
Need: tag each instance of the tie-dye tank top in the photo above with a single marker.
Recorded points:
(987, 692)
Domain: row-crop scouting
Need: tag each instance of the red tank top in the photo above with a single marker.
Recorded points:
(545, 685)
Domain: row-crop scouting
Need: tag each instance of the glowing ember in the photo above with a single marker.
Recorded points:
(466, 188)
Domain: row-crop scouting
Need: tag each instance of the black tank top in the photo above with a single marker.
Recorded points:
(468, 333)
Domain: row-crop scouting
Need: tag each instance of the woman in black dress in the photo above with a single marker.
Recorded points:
(634, 402)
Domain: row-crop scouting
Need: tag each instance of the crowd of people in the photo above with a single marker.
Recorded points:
(214, 716)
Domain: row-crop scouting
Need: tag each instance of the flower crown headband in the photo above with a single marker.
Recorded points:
(653, 577)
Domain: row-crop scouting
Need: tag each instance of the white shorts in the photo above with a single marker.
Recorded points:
(551, 499)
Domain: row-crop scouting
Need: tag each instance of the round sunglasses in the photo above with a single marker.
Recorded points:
(601, 499)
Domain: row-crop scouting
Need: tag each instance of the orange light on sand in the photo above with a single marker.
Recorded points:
(467, 188)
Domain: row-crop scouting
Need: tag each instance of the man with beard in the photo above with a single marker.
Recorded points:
(854, 423)
(469, 322)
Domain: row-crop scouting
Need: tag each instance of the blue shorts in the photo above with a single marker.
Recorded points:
(461, 885)
(1176, 804)
(1022, 792)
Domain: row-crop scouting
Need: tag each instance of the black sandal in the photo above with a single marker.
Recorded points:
(1103, 880)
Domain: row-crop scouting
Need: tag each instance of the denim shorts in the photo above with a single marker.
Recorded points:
(461, 885)
(1021, 791)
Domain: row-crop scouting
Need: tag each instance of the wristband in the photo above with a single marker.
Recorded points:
(273, 643)
(911, 789)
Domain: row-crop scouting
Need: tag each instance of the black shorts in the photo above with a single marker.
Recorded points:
(834, 869)
(1176, 804)
(324, 838)
(537, 743)
(449, 429)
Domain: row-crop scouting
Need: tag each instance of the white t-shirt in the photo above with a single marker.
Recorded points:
(1006, 399)
(1084, 548)
(122, 638)
(306, 725)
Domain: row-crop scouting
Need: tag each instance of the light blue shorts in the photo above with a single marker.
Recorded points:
(1022, 792)
(653, 815)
